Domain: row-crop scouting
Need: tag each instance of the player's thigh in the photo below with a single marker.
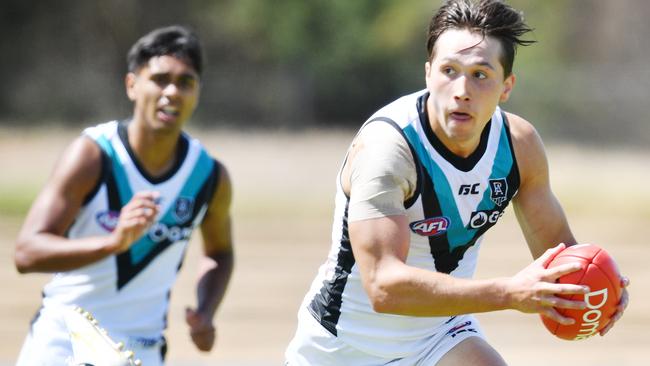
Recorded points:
(473, 351)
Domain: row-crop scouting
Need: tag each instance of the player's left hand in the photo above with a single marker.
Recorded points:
(620, 309)
(202, 330)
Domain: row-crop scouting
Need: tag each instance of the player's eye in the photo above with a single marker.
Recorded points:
(186, 82)
(161, 79)
(448, 70)
(480, 75)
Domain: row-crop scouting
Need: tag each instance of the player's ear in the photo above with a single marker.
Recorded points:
(508, 84)
(427, 72)
(129, 83)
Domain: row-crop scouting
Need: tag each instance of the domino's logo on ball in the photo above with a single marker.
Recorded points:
(183, 208)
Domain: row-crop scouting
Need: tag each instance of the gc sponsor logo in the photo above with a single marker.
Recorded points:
(480, 218)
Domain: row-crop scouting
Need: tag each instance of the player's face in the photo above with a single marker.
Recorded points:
(165, 92)
(466, 81)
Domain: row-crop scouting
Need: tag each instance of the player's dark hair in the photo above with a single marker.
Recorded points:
(490, 18)
(175, 40)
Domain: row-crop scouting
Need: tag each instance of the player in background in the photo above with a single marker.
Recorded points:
(422, 181)
(115, 217)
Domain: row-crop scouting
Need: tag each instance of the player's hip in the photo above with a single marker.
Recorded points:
(315, 345)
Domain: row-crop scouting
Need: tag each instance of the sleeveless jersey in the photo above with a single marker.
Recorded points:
(129, 293)
(455, 201)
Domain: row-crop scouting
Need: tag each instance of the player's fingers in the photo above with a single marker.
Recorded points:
(621, 306)
(625, 281)
(148, 213)
(204, 340)
(191, 317)
(554, 315)
(566, 289)
(147, 195)
(141, 204)
(558, 271)
(611, 323)
(143, 199)
(135, 223)
(550, 253)
(562, 303)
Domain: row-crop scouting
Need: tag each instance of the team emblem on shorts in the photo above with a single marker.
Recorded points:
(108, 220)
(498, 190)
(183, 209)
(430, 227)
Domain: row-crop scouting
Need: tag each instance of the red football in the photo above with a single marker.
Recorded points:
(600, 273)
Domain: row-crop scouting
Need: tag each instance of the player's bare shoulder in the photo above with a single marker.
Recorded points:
(80, 164)
(378, 149)
(528, 147)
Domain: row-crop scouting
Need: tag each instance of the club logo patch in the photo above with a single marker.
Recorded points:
(430, 227)
(498, 190)
(183, 208)
(108, 220)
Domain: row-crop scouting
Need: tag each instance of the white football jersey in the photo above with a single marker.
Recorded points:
(129, 293)
(455, 202)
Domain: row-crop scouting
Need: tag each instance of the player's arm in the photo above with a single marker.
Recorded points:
(41, 245)
(216, 264)
(380, 245)
(538, 211)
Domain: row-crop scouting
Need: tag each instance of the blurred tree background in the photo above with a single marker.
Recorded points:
(295, 64)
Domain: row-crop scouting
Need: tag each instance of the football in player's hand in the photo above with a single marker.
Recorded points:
(600, 273)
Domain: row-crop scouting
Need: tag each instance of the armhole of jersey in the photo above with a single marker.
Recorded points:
(213, 182)
(411, 200)
(506, 125)
(105, 165)
(207, 191)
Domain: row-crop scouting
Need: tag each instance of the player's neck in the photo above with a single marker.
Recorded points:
(460, 147)
(155, 150)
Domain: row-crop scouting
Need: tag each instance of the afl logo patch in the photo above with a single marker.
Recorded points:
(183, 209)
(430, 227)
(108, 220)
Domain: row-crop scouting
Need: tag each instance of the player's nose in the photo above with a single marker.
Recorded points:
(461, 88)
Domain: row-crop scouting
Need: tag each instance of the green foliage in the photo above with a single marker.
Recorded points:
(305, 62)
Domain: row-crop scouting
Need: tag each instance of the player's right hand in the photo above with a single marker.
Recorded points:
(135, 218)
(534, 289)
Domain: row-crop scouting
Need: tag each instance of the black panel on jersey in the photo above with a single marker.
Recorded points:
(411, 200)
(112, 192)
(204, 197)
(445, 261)
(326, 305)
(181, 152)
(127, 270)
(513, 176)
(462, 164)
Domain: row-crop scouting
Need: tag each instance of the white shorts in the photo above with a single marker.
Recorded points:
(48, 344)
(313, 345)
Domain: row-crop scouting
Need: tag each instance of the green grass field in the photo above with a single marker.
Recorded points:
(282, 209)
